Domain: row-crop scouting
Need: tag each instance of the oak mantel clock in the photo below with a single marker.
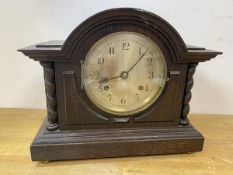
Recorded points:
(119, 85)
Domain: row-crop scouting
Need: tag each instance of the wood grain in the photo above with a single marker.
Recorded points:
(19, 126)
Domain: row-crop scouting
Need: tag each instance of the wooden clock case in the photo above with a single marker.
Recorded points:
(76, 129)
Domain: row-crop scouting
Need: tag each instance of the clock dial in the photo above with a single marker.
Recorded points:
(124, 73)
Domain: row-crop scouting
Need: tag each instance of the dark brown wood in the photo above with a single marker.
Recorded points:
(88, 144)
(50, 91)
(76, 129)
(165, 111)
(187, 94)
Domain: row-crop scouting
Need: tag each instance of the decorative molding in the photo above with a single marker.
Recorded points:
(103, 22)
(100, 143)
(51, 100)
(188, 94)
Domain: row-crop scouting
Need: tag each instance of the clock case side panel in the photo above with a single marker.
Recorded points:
(164, 112)
(71, 108)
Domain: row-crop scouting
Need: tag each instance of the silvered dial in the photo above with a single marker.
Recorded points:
(124, 73)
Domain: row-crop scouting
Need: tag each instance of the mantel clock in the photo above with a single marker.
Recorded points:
(119, 85)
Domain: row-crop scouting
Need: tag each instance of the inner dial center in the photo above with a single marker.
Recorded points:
(124, 73)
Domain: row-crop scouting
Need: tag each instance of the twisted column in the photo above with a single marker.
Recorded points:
(50, 90)
(187, 94)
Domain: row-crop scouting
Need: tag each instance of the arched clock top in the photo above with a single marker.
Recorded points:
(106, 22)
(121, 82)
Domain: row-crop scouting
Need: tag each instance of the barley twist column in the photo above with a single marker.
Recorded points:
(50, 90)
(187, 94)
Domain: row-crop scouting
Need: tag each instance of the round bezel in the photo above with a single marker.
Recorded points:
(135, 108)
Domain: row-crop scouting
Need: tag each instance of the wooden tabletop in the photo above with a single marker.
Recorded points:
(19, 126)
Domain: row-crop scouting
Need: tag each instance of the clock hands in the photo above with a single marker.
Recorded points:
(104, 80)
(124, 74)
(137, 61)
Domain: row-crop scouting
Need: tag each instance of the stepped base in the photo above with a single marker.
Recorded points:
(101, 143)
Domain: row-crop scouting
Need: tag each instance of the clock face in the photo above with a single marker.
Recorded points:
(124, 73)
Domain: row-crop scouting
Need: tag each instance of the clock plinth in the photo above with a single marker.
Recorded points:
(120, 85)
(95, 143)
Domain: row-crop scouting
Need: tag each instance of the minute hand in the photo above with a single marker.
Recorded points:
(137, 61)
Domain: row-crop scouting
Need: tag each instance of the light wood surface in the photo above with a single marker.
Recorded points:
(19, 126)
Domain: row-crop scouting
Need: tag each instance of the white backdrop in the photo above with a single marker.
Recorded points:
(207, 23)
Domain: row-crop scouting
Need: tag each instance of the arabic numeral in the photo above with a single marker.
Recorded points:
(95, 74)
(123, 101)
(109, 97)
(137, 97)
(140, 51)
(149, 60)
(111, 50)
(151, 75)
(101, 60)
(126, 46)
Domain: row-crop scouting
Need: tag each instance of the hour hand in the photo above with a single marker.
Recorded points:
(106, 79)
